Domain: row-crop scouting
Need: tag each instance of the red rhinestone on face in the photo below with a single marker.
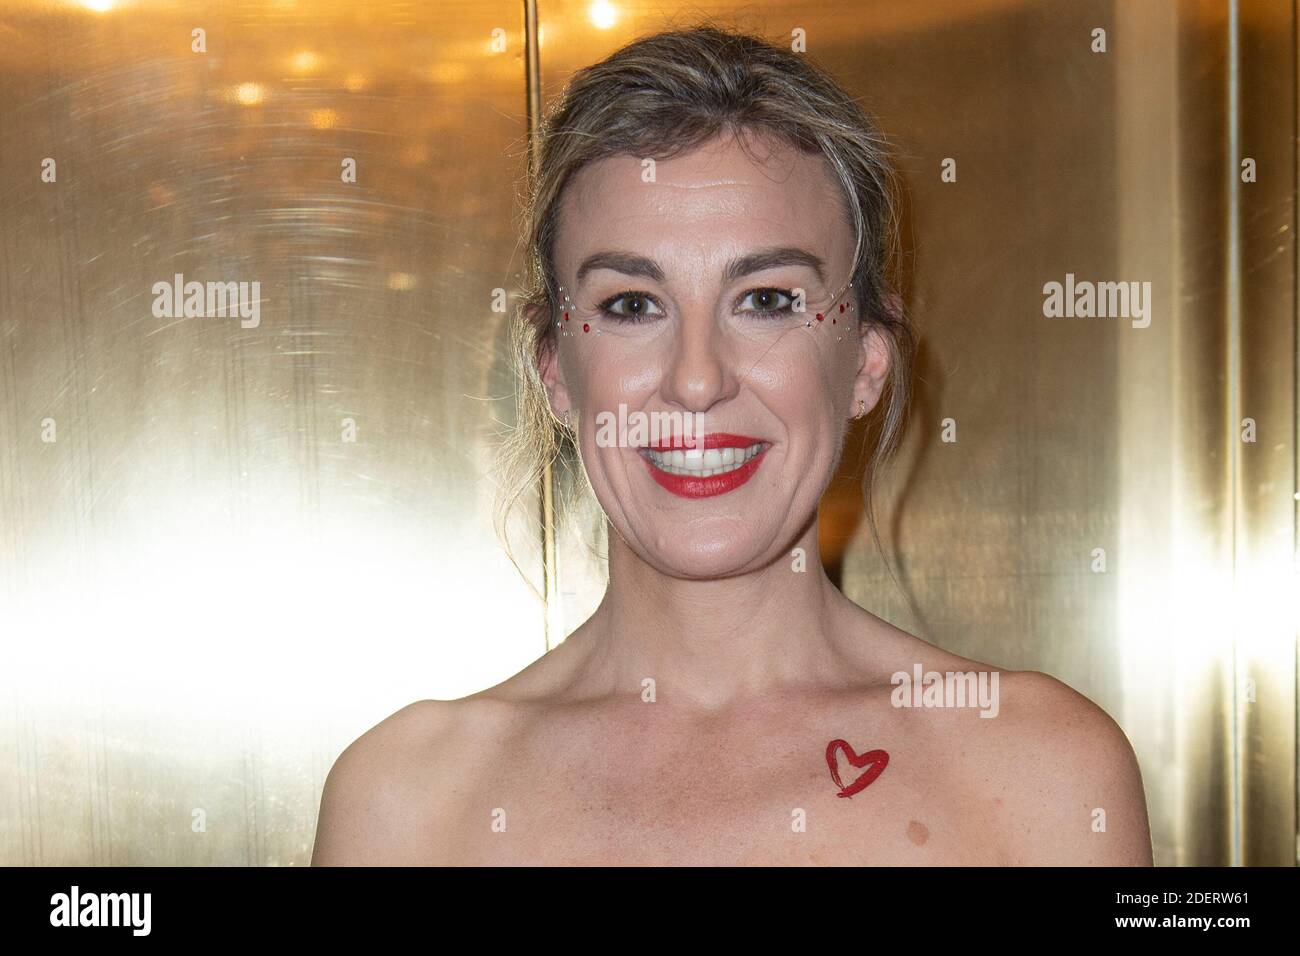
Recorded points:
(586, 327)
(820, 317)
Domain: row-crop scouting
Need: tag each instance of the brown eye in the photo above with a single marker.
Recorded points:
(637, 306)
(768, 301)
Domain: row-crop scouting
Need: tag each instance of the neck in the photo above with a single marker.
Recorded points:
(709, 643)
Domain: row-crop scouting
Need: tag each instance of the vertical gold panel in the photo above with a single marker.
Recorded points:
(1268, 587)
(1172, 633)
(208, 589)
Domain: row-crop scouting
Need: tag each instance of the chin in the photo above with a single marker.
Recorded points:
(716, 553)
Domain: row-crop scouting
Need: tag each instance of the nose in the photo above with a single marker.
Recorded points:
(699, 373)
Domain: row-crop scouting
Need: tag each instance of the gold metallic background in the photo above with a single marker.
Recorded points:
(206, 591)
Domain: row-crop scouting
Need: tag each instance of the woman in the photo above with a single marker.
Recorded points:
(712, 228)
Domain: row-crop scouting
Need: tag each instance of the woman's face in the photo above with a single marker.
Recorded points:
(685, 274)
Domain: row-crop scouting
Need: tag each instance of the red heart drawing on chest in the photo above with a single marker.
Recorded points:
(874, 761)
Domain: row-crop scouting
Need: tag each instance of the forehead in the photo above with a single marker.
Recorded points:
(718, 196)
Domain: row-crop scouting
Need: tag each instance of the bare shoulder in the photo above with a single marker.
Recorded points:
(385, 787)
(1056, 771)
(1066, 775)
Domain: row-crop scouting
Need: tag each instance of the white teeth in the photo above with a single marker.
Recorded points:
(702, 463)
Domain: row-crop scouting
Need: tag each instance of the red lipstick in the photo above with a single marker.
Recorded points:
(711, 440)
(690, 486)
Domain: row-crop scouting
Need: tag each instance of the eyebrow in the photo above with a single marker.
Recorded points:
(634, 265)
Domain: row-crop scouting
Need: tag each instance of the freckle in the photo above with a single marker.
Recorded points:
(917, 832)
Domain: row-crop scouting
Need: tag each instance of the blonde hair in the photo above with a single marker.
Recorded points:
(661, 96)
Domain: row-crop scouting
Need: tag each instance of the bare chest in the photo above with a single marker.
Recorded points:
(770, 798)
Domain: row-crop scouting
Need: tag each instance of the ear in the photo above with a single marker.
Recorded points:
(873, 360)
(548, 366)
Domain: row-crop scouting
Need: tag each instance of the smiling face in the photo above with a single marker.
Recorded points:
(688, 288)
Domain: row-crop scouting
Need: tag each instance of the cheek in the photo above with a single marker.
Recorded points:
(804, 388)
(805, 374)
(599, 378)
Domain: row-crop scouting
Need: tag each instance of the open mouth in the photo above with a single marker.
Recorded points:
(703, 463)
(724, 463)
